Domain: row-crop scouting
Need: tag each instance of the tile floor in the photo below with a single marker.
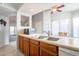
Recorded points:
(10, 50)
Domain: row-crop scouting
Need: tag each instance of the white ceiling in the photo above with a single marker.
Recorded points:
(15, 5)
(38, 7)
(8, 8)
(71, 6)
(4, 11)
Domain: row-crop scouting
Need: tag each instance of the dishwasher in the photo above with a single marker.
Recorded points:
(67, 52)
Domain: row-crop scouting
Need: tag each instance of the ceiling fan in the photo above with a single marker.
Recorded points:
(57, 8)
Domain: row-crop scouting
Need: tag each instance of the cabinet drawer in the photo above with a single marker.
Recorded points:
(49, 47)
(34, 42)
(26, 39)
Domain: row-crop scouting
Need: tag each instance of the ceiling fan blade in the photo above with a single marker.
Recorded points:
(60, 6)
(59, 10)
(56, 8)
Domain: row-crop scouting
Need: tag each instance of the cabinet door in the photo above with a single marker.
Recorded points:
(26, 47)
(44, 52)
(34, 50)
(48, 49)
(22, 39)
(20, 43)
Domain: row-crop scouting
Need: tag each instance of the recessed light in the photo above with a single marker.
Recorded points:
(32, 9)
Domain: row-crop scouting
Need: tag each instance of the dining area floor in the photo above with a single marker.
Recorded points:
(10, 50)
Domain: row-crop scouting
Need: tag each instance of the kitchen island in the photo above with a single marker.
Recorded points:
(44, 47)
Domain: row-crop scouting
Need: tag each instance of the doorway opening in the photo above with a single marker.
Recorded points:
(12, 30)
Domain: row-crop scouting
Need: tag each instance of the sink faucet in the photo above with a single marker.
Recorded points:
(48, 33)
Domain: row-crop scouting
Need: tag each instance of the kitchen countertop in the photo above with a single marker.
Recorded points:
(65, 42)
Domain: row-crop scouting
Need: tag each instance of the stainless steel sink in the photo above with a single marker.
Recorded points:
(53, 39)
(48, 38)
(43, 37)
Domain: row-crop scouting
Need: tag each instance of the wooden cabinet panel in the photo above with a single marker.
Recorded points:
(34, 50)
(26, 46)
(21, 43)
(26, 39)
(44, 52)
(49, 49)
(26, 49)
(34, 42)
(31, 47)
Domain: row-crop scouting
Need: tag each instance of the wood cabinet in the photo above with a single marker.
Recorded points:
(21, 44)
(48, 50)
(26, 46)
(34, 48)
(44, 52)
